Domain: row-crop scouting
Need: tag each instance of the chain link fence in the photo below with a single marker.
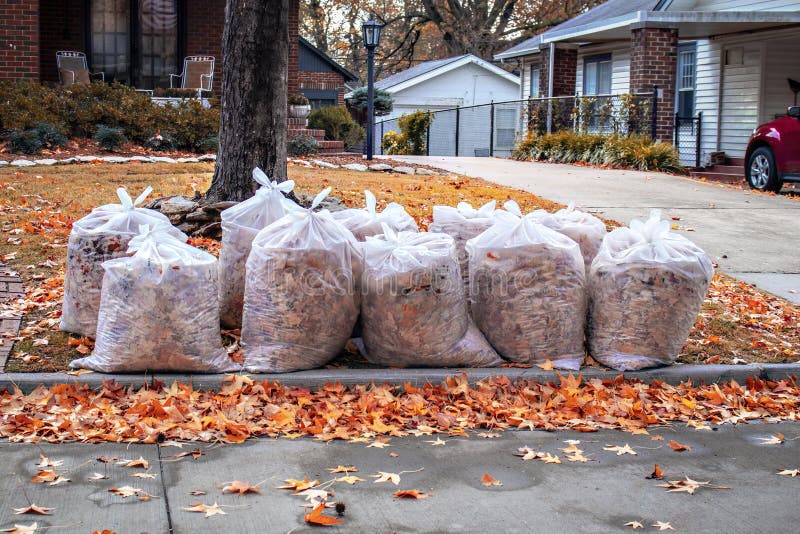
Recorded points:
(688, 138)
(493, 129)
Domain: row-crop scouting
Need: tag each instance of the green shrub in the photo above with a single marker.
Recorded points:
(25, 142)
(24, 103)
(338, 125)
(52, 135)
(161, 142)
(108, 137)
(298, 100)
(633, 151)
(209, 144)
(382, 101)
(191, 124)
(395, 143)
(302, 145)
(413, 132)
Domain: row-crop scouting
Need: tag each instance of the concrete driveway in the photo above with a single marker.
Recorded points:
(752, 236)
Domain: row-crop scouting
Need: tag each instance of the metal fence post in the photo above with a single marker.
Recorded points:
(654, 114)
(698, 138)
(428, 138)
(458, 116)
(491, 129)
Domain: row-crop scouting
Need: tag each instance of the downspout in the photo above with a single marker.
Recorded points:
(550, 69)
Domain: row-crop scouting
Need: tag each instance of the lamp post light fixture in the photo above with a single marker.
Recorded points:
(372, 38)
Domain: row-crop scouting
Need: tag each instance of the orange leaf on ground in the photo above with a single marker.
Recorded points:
(411, 494)
(488, 480)
(547, 365)
(316, 517)
(657, 474)
(242, 488)
(674, 445)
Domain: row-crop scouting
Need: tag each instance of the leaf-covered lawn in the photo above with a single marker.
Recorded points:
(738, 323)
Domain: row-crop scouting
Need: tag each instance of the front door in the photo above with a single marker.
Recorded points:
(135, 41)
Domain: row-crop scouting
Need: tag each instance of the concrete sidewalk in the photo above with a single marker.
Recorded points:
(598, 496)
(752, 236)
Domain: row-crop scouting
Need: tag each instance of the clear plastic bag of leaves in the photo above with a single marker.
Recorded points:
(528, 289)
(647, 286)
(367, 222)
(462, 223)
(584, 228)
(413, 304)
(300, 303)
(101, 235)
(159, 310)
(240, 224)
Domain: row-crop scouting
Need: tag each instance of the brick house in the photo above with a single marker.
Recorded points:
(142, 42)
(722, 61)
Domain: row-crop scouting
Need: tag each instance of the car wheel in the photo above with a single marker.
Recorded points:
(762, 174)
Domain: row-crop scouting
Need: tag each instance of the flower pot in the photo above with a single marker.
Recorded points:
(299, 112)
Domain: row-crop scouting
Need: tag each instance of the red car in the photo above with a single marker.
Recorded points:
(773, 153)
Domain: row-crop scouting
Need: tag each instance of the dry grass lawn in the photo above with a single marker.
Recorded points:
(38, 205)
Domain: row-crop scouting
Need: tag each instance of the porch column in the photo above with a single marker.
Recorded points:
(19, 39)
(565, 64)
(654, 55)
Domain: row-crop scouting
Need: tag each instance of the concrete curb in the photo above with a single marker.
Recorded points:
(417, 377)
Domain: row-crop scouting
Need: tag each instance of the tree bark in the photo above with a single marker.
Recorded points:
(255, 62)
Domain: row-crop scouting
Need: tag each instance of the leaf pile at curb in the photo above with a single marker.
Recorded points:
(334, 411)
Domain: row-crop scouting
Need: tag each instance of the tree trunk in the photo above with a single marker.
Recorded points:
(255, 62)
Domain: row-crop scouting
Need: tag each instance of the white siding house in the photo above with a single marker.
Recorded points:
(447, 83)
(734, 58)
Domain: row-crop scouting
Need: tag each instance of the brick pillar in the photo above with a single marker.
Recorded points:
(654, 55)
(19, 39)
(294, 31)
(564, 71)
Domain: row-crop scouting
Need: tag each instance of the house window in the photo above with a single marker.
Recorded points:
(597, 75)
(135, 41)
(685, 79)
(534, 81)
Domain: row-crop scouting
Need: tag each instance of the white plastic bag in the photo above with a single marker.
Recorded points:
(413, 304)
(647, 285)
(462, 223)
(367, 222)
(240, 224)
(528, 289)
(583, 228)
(101, 235)
(159, 310)
(300, 303)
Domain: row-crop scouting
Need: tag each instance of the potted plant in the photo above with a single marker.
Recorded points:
(299, 107)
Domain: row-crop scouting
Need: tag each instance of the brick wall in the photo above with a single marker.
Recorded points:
(205, 22)
(654, 55)
(326, 81)
(61, 27)
(564, 71)
(19, 39)
(294, 32)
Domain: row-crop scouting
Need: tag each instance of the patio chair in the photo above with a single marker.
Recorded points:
(198, 73)
(72, 68)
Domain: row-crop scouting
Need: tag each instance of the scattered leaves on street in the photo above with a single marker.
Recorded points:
(350, 479)
(126, 491)
(678, 447)
(97, 476)
(688, 486)
(298, 485)
(22, 529)
(316, 516)
(657, 473)
(775, 439)
(44, 461)
(662, 525)
(438, 442)
(789, 472)
(387, 477)
(141, 462)
(209, 510)
(620, 450)
(33, 509)
(241, 488)
(634, 525)
(343, 469)
(144, 475)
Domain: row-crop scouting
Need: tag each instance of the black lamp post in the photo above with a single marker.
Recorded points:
(372, 38)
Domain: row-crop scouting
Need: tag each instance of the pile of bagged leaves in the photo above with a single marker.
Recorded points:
(483, 287)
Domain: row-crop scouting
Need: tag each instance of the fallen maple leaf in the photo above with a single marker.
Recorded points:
(343, 469)
(789, 472)
(775, 439)
(350, 479)
(677, 447)
(194, 453)
(488, 480)
(528, 454)
(242, 488)
(78, 372)
(33, 509)
(213, 509)
(634, 525)
(316, 517)
(688, 486)
(59, 480)
(97, 476)
(46, 475)
(125, 491)
(488, 435)
(411, 494)
(141, 462)
(143, 475)
(657, 474)
(107, 460)
(378, 444)
(662, 525)
(298, 485)
(437, 442)
(197, 492)
(550, 459)
(547, 365)
(44, 461)
(22, 529)
(620, 450)
(387, 477)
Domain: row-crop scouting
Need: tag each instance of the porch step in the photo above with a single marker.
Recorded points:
(319, 135)
(738, 162)
(728, 169)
